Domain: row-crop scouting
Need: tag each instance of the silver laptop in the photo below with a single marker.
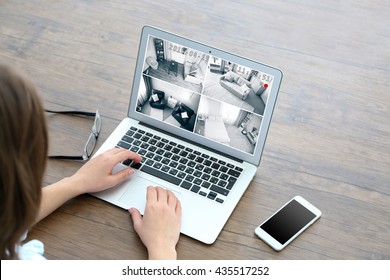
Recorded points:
(199, 117)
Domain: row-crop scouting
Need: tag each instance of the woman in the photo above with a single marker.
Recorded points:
(23, 201)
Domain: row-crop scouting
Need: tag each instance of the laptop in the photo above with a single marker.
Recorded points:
(199, 118)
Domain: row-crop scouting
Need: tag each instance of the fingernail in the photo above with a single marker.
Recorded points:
(130, 211)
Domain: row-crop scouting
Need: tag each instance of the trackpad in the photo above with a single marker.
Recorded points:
(135, 195)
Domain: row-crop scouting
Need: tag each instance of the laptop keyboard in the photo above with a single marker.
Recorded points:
(180, 165)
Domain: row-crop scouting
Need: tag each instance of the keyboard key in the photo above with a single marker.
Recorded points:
(186, 185)
(202, 193)
(198, 181)
(137, 135)
(206, 185)
(130, 133)
(222, 183)
(160, 151)
(189, 178)
(215, 166)
(152, 148)
(231, 183)
(149, 155)
(219, 190)
(160, 144)
(127, 139)
(234, 173)
(134, 149)
(213, 180)
(212, 195)
(223, 169)
(189, 170)
(144, 145)
(199, 159)
(136, 165)
(168, 154)
(195, 189)
(219, 200)
(173, 171)
(183, 153)
(157, 158)
(197, 173)
(191, 156)
(165, 168)
(124, 145)
(175, 157)
(207, 170)
(224, 176)
(160, 174)
(127, 162)
(181, 167)
(137, 142)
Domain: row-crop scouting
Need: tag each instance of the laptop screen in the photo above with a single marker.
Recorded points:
(204, 96)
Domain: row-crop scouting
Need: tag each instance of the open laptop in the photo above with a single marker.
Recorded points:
(199, 117)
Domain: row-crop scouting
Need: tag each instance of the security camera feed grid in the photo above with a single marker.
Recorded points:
(204, 94)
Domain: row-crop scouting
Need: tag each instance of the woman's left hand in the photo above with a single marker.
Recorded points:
(96, 175)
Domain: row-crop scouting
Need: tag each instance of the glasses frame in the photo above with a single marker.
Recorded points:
(96, 128)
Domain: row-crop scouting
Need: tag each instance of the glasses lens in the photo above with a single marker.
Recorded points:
(97, 125)
(90, 146)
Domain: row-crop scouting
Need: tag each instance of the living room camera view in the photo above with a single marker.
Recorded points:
(219, 100)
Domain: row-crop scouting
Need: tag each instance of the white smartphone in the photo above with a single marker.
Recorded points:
(287, 223)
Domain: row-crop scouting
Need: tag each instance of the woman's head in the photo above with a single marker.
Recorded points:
(23, 153)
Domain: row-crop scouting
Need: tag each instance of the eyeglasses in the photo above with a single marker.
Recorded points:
(92, 139)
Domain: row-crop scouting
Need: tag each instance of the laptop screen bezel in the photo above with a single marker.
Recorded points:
(191, 136)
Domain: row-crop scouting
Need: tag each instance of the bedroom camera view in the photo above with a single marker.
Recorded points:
(206, 95)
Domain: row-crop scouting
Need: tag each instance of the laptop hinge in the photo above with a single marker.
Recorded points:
(192, 142)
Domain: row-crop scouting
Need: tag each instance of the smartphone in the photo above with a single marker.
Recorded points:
(287, 223)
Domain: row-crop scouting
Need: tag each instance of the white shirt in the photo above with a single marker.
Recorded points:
(32, 250)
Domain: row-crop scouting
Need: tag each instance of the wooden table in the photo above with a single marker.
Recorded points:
(329, 140)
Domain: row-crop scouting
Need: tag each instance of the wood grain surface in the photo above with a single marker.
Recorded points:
(328, 142)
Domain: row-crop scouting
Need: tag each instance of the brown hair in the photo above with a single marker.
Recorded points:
(23, 153)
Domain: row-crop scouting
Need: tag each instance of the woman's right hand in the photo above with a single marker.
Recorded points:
(159, 228)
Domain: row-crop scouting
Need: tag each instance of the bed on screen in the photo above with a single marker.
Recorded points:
(215, 129)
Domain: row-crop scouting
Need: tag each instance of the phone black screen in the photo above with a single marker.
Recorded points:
(288, 221)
